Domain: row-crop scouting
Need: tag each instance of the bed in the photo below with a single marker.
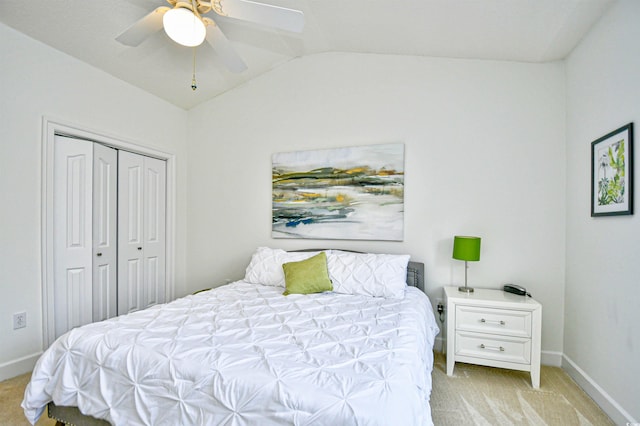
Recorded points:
(245, 354)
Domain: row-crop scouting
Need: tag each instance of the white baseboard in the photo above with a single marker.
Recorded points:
(550, 358)
(602, 398)
(18, 366)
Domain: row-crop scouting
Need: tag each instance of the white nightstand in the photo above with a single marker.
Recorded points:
(493, 328)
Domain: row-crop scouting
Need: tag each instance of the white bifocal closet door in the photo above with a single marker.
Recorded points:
(155, 205)
(141, 231)
(105, 248)
(109, 229)
(72, 235)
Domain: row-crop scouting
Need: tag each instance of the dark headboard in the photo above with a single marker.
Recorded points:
(415, 270)
(415, 274)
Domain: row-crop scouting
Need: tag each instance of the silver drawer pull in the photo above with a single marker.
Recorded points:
(493, 348)
(493, 321)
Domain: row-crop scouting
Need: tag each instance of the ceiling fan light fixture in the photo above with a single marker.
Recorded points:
(184, 27)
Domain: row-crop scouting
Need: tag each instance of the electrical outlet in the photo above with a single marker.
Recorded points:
(19, 320)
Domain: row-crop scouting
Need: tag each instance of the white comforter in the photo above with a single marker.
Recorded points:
(243, 354)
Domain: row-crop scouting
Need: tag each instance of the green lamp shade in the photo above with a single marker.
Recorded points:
(466, 248)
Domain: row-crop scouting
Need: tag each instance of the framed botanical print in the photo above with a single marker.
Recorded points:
(612, 173)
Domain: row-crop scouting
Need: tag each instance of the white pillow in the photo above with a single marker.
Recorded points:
(266, 265)
(378, 275)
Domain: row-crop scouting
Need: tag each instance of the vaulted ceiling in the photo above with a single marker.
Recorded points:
(511, 30)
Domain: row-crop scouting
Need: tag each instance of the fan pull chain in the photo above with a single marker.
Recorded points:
(194, 86)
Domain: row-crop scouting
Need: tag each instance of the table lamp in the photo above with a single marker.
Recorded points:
(467, 249)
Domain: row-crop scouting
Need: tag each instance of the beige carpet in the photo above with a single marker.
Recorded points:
(11, 394)
(473, 396)
(477, 395)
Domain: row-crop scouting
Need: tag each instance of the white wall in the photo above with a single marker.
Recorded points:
(485, 155)
(37, 81)
(602, 298)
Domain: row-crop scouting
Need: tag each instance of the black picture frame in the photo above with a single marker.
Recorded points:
(612, 173)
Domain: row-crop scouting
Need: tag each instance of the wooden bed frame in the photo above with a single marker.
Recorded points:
(72, 415)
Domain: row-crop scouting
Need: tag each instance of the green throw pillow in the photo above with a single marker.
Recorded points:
(307, 276)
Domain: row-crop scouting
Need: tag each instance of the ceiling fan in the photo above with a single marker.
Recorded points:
(185, 24)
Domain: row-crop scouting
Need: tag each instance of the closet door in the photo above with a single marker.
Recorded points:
(105, 250)
(141, 231)
(72, 235)
(154, 234)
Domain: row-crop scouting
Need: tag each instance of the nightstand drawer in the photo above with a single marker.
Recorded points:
(503, 322)
(506, 349)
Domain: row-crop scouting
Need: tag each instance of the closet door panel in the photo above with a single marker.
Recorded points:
(130, 232)
(154, 235)
(78, 294)
(105, 251)
(132, 288)
(109, 233)
(72, 235)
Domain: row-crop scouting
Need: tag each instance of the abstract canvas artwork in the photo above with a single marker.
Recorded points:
(354, 193)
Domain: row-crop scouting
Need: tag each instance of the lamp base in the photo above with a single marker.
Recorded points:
(466, 289)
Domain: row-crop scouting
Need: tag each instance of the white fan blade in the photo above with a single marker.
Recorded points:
(264, 14)
(223, 48)
(138, 32)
